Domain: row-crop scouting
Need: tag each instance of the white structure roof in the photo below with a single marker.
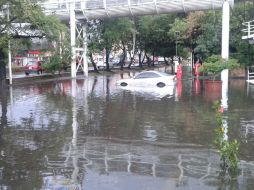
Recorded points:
(91, 9)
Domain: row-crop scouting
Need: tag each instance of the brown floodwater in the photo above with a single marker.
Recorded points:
(91, 134)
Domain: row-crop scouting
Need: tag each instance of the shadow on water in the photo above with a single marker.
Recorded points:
(91, 134)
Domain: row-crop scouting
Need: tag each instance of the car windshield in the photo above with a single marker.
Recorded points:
(151, 75)
(147, 75)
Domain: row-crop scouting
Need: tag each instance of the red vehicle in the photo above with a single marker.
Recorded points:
(33, 67)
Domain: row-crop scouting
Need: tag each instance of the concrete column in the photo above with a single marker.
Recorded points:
(225, 30)
(225, 55)
(9, 51)
(225, 51)
(85, 63)
(73, 39)
(9, 63)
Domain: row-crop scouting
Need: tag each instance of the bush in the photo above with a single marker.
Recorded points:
(215, 64)
(54, 64)
(229, 151)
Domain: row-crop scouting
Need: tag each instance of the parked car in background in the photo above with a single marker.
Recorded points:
(33, 67)
(149, 79)
(115, 61)
(161, 59)
(101, 64)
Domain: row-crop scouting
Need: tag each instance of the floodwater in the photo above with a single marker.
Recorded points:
(90, 134)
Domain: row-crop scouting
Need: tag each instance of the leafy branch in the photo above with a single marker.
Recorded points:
(229, 151)
(215, 64)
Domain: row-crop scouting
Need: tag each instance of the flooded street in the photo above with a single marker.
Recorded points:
(91, 134)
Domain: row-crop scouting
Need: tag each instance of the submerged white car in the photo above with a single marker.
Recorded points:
(149, 79)
(151, 92)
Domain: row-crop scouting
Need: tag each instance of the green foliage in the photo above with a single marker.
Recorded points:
(229, 151)
(54, 64)
(229, 154)
(215, 64)
(200, 32)
(28, 12)
(109, 34)
(3, 41)
(155, 36)
(208, 41)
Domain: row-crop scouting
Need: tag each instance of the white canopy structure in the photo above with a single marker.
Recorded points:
(92, 9)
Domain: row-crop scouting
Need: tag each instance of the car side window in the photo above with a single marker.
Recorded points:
(147, 75)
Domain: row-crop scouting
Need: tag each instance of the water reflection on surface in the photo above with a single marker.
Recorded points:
(91, 134)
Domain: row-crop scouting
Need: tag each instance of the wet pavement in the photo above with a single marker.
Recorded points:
(91, 134)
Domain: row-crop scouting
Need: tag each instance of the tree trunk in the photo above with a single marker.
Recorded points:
(148, 60)
(124, 56)
(165, 61)
(93, 63)
(142, 62)
(2, 69)
(153, 58)
(132, 58)
(107, 59)
(172, 65)
(139, 59)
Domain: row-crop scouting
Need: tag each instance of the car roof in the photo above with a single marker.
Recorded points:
(157, 72)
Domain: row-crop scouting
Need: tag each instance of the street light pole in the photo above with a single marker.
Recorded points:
(9, 48)
(177, 35)
(176, 58)
(176, 48)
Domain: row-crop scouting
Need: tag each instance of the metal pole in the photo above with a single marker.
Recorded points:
(225, 55)
(176, 61)
(225, 30)
(176, 47)
(177, 33)
(73, 39)
(248, 75)
(9, 52)
(85, 63)
(9, 63)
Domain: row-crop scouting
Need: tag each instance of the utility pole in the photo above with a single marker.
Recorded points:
(177, 33)
(9, 48)
(176, 60)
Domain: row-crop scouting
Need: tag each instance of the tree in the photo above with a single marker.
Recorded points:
(109, 34)
(93, 41)
(125, 28)
(24, 12)
(154, 37)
